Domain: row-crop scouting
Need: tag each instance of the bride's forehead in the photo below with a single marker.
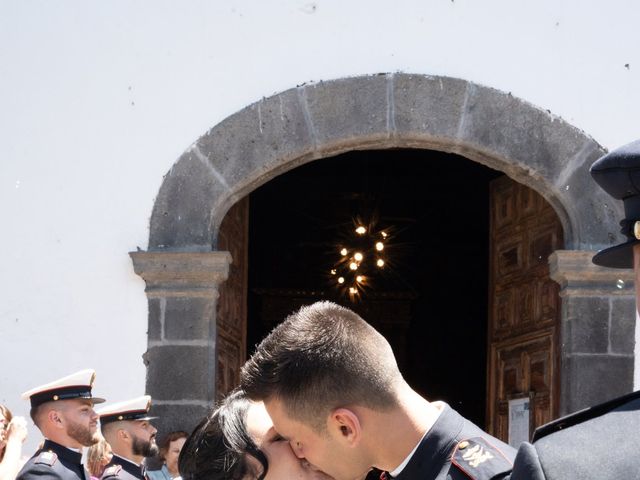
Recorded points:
(258, 420)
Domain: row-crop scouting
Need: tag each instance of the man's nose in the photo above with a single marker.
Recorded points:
(94, 415)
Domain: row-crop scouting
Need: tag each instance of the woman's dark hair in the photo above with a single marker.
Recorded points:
(219, 446)
(166, 441)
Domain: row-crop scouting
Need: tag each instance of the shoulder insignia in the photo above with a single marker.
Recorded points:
(47, 457)
(112, 471)
(479, 459)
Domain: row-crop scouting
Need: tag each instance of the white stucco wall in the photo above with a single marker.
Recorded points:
(98, 99)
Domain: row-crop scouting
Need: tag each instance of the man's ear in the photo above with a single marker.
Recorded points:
(344, 424)
(123, 434)
(55, 418)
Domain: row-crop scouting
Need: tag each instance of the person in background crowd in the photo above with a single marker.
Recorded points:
(13, 432)
(238, 441)
(63, 411)
(98, 457)
(125, 425)
(170, 448)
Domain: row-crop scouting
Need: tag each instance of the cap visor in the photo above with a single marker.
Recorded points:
(620, 256)
(95, 400)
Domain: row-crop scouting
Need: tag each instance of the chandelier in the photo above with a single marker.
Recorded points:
(362, 256)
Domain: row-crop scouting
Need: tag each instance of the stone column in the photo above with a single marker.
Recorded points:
(597, 333)
(182, 291)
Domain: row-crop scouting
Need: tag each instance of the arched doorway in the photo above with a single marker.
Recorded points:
(183, 267)
(429, 298)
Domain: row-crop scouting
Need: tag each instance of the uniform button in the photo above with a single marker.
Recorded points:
(462, 445)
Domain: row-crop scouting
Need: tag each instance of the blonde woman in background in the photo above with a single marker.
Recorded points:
(13, 433)
(98, 456)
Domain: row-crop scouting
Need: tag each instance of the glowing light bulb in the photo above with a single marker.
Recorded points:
(384, 234)
(359, 278)
(358, 256)
(361, 230)
(333, 271)
(340, 280)
(379, 246)
(353, 290)
(380, 263)
(343, 252)
(353, 266)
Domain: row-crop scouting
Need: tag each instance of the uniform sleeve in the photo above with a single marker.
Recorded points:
(527, 464)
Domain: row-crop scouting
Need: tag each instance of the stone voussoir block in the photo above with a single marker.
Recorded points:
(258, 138)
(183, 210)
(428, 108)
(510, 129)
(347, 113)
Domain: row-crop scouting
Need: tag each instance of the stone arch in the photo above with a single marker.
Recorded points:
(324, 119)
(183, 270)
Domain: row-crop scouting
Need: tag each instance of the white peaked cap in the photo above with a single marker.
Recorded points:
(76, 385)
(134, 409)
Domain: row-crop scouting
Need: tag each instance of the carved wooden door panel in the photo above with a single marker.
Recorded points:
(524, 306)
(231, 314)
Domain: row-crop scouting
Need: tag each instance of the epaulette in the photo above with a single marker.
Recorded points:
(480, 460)
(112, 471)
(47, 457)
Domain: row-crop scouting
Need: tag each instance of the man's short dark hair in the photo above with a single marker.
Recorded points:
(321, 358)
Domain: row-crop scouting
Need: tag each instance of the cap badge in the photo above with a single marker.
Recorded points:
(56, 397)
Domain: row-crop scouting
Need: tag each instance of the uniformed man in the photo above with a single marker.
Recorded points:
(125, 425)
(63, 411)
(332, 387)
(600, 442)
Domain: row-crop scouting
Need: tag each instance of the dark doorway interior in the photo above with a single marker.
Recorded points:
(434, 286)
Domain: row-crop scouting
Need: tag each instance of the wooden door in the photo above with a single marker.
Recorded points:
(231, 313)
(524, 306)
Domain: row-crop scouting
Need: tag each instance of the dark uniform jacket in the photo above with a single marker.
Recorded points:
(56, 462)
(122, 469)
(454, 448)
(601, 442)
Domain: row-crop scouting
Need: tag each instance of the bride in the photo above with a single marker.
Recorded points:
(237, 441)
